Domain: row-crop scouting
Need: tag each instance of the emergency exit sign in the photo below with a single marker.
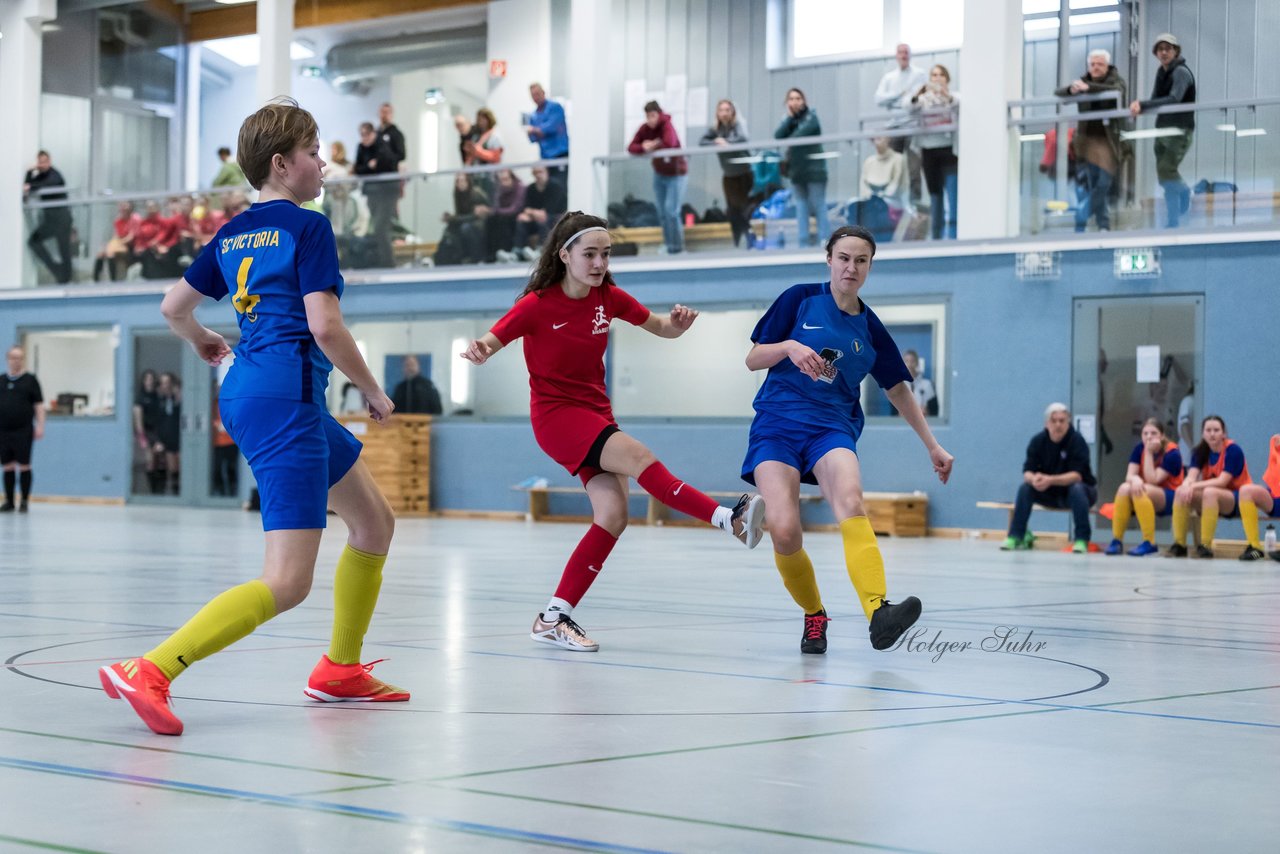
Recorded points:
(1136, 263)
(497, 68)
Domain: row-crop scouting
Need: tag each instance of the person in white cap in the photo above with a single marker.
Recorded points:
(1174, 84)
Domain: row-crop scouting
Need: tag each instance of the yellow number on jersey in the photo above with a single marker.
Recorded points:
(244, 301)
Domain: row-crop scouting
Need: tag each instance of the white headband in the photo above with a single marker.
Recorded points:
(584, 231)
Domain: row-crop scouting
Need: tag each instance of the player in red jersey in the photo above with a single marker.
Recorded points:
(563, 317)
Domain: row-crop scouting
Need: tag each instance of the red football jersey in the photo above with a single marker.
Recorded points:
(565, 341)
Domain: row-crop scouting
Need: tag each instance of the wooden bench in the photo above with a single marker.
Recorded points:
(1008, 505)
(700, 235)
(899, 514)
(412, 253)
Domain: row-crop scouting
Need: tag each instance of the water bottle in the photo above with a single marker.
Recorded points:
(1269, 541)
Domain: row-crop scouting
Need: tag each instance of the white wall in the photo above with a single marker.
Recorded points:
(520, 33)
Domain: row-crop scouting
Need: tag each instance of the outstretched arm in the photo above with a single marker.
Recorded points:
(673, 325)
(905, 402)
(482, 349)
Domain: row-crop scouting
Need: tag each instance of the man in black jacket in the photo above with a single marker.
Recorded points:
(1174, 84)
(375, 157)
(1055, 474)
(40, 185)
(416, 393)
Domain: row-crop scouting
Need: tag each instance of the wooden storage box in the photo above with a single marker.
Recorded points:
(399, 458)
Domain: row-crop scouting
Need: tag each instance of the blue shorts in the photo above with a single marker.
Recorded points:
(798, 445)
(296, 452)
(1168, 504)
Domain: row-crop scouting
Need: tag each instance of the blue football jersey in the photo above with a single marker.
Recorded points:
(851, 346)
(267, 259)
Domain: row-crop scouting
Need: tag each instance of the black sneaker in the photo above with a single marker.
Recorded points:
(22, 508)
(814, 639)
(1176, 550)
(7, 507)
(1275, 555)
(889, 621)
(1252, 554)
(1203, 551)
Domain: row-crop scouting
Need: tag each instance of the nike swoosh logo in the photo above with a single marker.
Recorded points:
(558, 325)
(807, 326)
(678, 488)
(593, 568)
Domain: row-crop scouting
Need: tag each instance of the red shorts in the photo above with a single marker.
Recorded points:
(566, 434)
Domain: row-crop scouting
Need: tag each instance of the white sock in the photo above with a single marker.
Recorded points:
(555, 608)
(723, 519)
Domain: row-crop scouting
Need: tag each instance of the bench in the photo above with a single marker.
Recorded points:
(899, 514)
(412, 253)
(1008, 505)
(702, 235)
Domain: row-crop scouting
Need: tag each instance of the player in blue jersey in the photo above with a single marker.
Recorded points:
(279, 265)
(818, 342)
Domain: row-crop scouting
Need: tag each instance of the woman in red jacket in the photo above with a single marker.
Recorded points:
(670, 174)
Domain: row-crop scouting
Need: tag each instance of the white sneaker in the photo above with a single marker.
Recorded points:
(748, 520)
(528, 253)
(564, 633)
(504, 257)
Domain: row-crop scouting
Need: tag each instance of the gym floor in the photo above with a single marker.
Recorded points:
(1048, 702)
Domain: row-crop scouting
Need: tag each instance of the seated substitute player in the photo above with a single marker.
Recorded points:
(1217, 474)
(1155, 471)
(1263, 497)
(818, 342)
(564, 316)
(279, 263)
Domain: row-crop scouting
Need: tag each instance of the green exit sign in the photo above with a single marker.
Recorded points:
(1135, 263)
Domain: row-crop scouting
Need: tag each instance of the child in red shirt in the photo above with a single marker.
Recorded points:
(563, 317)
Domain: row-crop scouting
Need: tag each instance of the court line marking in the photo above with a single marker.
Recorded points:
(48, 846)
(330, 807)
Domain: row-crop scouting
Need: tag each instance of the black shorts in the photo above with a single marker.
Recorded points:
(15, 446)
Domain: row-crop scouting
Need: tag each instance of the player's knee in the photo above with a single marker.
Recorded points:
(786, 534)
(846, 505)
(288, 592)
(1124, 491)
(614, 520)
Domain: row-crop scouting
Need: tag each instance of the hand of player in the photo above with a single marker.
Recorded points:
(211, 347)
(380, 406)
(1185, 493)
(682, 317)
(942, 462)
(478, 353)
(38, 431)
(803, 357)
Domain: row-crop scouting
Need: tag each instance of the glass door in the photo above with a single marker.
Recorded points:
(1134, 359)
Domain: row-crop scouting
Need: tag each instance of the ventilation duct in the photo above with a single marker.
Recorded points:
(350, 66)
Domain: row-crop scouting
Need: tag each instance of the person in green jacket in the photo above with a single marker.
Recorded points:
(229, 174)
(808, 173)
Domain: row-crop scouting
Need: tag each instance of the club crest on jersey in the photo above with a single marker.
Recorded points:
(857, 345)
(829, 356)
(600, 322)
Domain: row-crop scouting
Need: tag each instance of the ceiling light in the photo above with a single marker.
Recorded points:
(1030, 137)
(1225, 128)
(1151, 133)
(1252, 132)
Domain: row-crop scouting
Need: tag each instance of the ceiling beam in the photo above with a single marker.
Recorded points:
(242, 20)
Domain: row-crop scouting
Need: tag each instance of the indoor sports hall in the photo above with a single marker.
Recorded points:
(1013, 261)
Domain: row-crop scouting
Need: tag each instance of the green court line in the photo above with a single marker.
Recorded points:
(220, 758)
(811, 837)
(47, 846)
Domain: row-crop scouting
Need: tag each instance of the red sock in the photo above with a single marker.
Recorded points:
(585, 564)
(676, 494)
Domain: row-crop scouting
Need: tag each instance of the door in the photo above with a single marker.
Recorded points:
(1135, 358)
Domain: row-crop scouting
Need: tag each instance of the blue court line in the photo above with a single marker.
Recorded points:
(352, 810)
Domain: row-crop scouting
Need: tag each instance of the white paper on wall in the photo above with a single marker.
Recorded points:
(1148, 358)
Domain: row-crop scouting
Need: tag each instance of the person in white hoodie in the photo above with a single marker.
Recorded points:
(894, 94)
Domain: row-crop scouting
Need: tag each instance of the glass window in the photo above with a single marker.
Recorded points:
(920, 333)
(76, 369)
(136, 56)
(822, 28)
(930, 24)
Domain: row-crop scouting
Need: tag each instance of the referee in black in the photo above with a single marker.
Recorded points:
(21, 423)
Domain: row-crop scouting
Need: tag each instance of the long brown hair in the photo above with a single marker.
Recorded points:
(1200, 454)
(550, 270)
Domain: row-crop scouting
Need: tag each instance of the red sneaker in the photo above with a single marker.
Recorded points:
(350, 683)
(147, 690)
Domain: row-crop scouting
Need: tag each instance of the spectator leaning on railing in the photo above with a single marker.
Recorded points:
(546, 126)
(1100, 152)
(1174, 84)
(738, 177)
(894, 93)
(41, 185)
(670, 174)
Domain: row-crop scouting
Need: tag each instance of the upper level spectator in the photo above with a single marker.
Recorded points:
(670, 174)
(1174, 84)
(391, 135)
(467, 135)
(229, 173)
(546, 125)
(487, 147)
(1097, 144)
(883, 173)
(737, 177)
(897, 85)
(807, 172)
(43, 183)
(544, 202)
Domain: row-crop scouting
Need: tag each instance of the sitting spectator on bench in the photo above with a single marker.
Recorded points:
(1263, 496)
(1155, 471)
(500, 220)
(544, 202)
(1217, 474)
(463, 238)
(1055, 474)
(117, 255)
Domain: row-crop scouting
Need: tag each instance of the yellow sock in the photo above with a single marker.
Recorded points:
(355, 593)
(863, 560)
(1208, 523)
(1181, 519)
(1120, 521)
(797, 576)
(1249, 518)
(229, 616)
(1146, 513)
